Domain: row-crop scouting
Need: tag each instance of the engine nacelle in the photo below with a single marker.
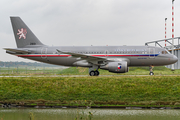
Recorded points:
(116, 67)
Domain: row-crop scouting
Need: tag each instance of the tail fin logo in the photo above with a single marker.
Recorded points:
(22, 33)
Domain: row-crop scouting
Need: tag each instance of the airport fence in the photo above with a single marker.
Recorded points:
(31, 70)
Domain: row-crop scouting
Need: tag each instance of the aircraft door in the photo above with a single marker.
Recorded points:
(151, 52)
(106, 53)
(44, 53)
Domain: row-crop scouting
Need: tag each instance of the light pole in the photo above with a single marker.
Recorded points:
(165, 30)
(173, 31)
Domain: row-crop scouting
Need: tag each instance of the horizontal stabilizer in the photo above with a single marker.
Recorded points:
(17, 51)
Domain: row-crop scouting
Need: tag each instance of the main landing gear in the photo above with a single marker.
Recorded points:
(151, 70)
(93, 71)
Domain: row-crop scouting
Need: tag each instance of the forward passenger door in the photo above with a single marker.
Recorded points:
(151, 53)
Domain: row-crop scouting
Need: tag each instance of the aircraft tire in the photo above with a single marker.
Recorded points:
(151, 73)
(96, 73)
(92, 73)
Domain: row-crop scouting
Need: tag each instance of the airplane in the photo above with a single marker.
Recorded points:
(116, 59)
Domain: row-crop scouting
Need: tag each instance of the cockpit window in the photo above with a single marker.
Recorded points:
(168, 52)
(165, 52)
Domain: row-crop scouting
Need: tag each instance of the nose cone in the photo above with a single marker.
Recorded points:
(174, 59)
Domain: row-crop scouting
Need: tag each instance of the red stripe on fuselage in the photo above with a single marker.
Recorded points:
(43, 55)
(70, 55)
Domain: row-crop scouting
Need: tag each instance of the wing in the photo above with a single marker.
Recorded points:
(88, 58)
(17, 51)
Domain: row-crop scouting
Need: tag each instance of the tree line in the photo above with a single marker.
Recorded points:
(24, 64)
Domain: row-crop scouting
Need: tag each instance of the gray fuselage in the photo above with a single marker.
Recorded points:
(134, 55)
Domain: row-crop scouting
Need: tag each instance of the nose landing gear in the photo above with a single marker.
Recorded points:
(151, 70)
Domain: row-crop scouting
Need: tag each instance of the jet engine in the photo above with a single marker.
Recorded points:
(116, 67)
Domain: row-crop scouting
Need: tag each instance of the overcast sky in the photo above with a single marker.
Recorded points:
(88, 22)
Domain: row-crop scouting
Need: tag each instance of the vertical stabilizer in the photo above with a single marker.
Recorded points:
(23, 35)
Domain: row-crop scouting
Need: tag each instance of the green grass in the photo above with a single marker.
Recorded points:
(29, 70)
(160, 70)
(128, 91)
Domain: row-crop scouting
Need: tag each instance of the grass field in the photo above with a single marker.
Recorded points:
(82, 71)
(92, 91)
(30, 70)
(161, 70)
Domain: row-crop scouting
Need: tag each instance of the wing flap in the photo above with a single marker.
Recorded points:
(82, 56)
(89, 58)
(93, 59)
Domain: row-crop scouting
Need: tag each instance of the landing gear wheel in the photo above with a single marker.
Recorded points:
(96, 73)
(92, 73)
(151, 70)
(151, 73)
